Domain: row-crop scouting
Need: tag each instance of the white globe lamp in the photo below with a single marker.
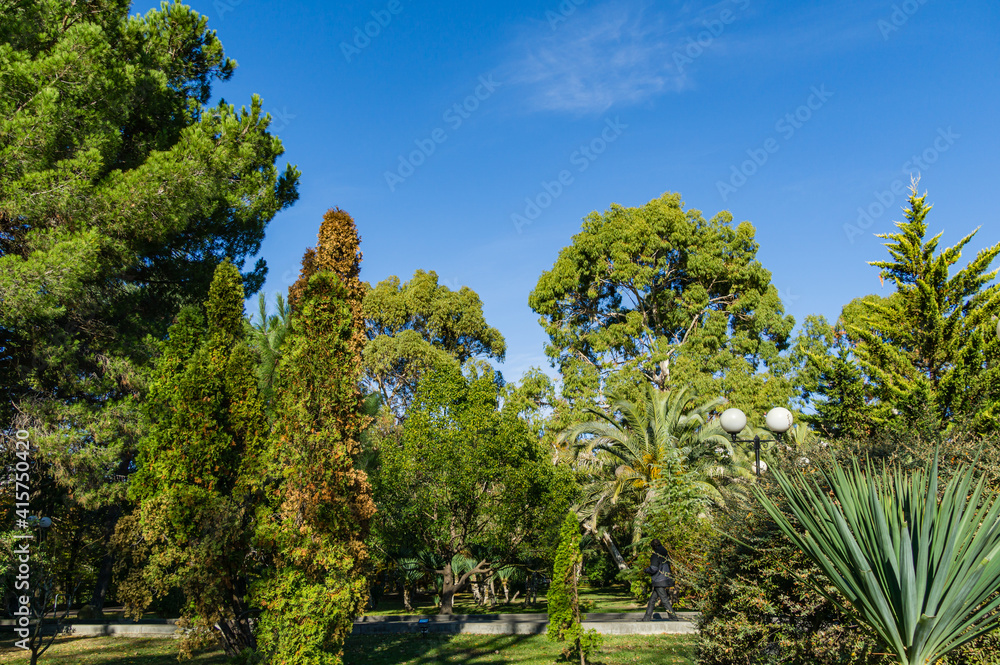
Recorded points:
(779, 420)
(733, 421)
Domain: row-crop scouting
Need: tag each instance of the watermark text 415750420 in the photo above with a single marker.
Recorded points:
(22, 551)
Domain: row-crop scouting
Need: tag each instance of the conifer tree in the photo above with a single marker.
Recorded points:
(266, 335)
(338, 251)
(121, 189)
(320, 505)
(930, 348)
(564, 598)
(196, 483)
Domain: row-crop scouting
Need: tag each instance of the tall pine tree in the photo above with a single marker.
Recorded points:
(930, 348)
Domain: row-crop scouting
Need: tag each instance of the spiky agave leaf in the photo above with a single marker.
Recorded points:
(922, 572)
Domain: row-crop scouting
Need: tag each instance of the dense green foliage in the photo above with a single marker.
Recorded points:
(762, 604)
(759, 608)
(564, 598)
(120, 192)
(199, 466)
(466, 478)
(922, 571)
(417, 325)
(661, 293)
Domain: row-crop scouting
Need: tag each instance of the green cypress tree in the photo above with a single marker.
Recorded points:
(320, 505)
(930, 348)
(563, 597)
(196, 483)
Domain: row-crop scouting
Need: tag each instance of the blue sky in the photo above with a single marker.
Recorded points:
(440, 127)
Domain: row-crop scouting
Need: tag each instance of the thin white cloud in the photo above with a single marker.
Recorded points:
(618, 53)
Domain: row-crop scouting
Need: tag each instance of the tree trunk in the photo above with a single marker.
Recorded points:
(407, 605)
(235, 635)
(448, 589)
(450, 585)
(609, 545)
(103, 580)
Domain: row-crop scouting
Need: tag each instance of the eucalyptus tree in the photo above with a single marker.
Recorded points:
(660, 292)
(415, 326)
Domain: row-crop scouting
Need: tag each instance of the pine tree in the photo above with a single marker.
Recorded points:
(195, 486)
(121, 190)
(931, 347)
(564, 599)
(320, 503)
(266, 337)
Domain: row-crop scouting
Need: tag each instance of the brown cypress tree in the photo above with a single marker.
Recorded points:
(338, 251)
(320, 504)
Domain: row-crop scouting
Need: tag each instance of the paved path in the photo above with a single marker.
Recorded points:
(622, 623)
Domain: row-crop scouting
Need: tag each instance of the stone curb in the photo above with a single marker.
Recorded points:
(624, 623)
(523, 624)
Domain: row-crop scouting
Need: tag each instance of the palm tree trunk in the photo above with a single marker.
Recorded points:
(609, 545)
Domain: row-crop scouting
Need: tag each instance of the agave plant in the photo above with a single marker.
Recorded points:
(923, 572)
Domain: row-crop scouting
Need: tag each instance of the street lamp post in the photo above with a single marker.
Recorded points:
(778, 420)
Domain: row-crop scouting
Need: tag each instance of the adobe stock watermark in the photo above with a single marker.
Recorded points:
(786, 126)
(581, 158)
(901, 13)
(562, 13)
(280, 119)
(696, 46)
(897, 190)
(455, 115)
(787, 296)
(22, 552)
(223, 7)
(364, 34)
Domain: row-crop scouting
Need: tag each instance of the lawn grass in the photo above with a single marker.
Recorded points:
(432, 649)
(79, 650)
(397, 649)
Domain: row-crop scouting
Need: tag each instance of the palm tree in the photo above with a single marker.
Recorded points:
(625, 450)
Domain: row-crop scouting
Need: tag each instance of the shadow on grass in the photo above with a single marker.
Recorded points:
(450, 649)
(433, 648)
(600, 599)
(74, 649)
